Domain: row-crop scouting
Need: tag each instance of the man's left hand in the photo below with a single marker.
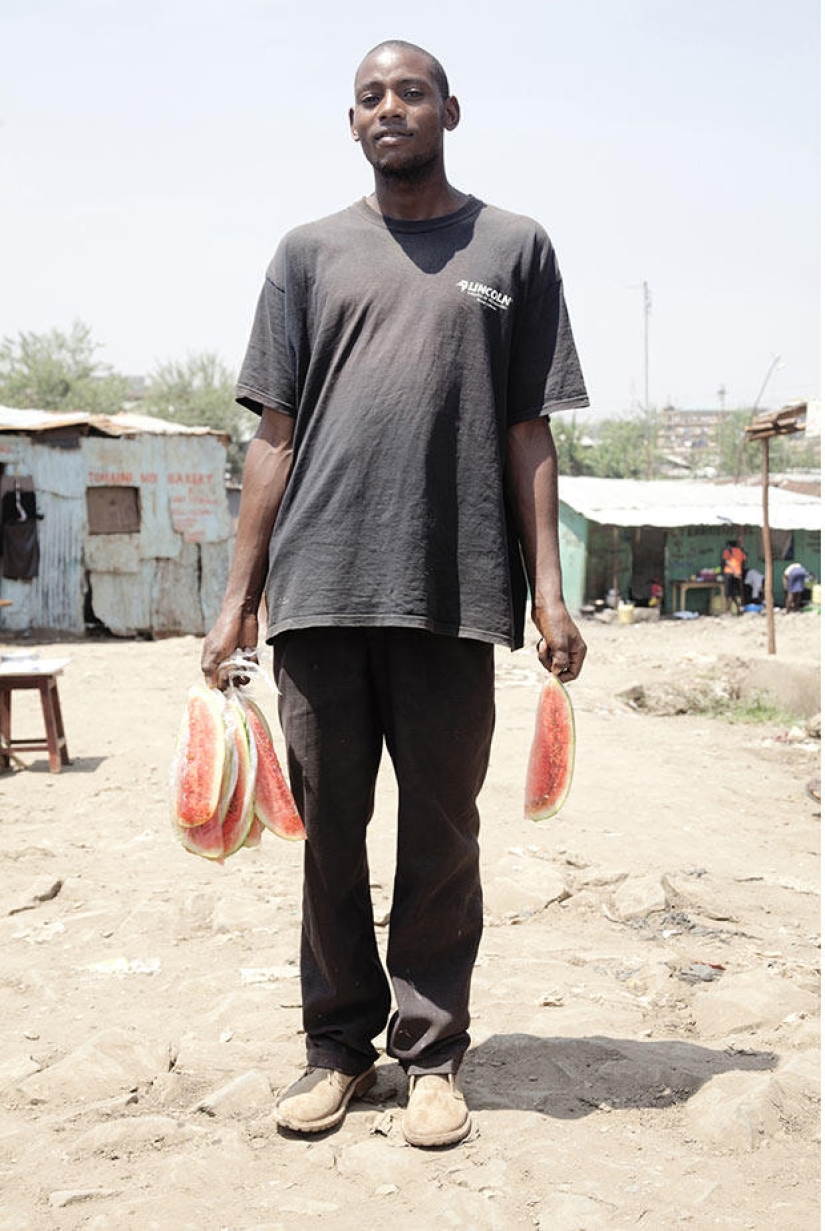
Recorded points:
(561, 649)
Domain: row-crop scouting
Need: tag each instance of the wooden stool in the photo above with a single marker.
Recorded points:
(55, 741)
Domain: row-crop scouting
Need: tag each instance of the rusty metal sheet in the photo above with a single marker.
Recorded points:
(122, 601)
(155, 580)
(176, 606)
(112, 553)
(215, 560)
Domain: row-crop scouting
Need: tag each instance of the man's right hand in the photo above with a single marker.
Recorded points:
(231, 632)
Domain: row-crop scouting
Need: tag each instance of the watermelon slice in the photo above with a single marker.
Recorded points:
(208, 839)
(550, 765)
(240, 808)
(198, 767)
(274, 806)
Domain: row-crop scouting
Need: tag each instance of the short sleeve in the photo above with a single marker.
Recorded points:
(545, 373)
(267, 376)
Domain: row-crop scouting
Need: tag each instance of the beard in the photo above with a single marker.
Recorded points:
(410, 170)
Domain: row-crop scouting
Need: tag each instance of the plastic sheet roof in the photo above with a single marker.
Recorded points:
(679, 502)
(124, 424)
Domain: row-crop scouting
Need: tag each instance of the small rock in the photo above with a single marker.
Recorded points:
(526, 892)
(639, 896)
(59, 1199)
(552, 999)
(386, 1190)
(700, 972)
(377, 1161)
(700, 897)
(813, 727)
(746, 1001)
(130, 1133)
(382, 1125)
(249, 1092)
(109, 1062)
(734, 1110)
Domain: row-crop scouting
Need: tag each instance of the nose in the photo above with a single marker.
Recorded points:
(391, 105)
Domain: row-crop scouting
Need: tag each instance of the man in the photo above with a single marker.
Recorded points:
(733, 573)
(794, 579)
(404, 358)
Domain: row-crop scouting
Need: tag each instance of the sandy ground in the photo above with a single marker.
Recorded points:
(645, 1005)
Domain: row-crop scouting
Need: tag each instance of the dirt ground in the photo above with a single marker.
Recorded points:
(645, 1007)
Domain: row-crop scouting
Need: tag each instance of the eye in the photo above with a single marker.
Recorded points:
(368, 100)
(413, 92)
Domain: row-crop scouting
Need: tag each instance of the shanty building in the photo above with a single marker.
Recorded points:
(626, 533)
(115, 523)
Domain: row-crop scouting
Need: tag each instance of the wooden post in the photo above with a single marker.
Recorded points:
(615, 560)
(766, 543)
(778, 423)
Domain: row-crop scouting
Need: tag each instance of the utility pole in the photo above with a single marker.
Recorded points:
(647, 304)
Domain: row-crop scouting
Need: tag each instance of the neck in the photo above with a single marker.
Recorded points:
(415, 200)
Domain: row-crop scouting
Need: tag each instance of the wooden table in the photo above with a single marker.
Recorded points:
(17, 674)
(681, 588)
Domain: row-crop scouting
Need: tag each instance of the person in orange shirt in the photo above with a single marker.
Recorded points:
(734, 560)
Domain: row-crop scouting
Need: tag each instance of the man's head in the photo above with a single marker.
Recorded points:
(403, 107)
(400, 45)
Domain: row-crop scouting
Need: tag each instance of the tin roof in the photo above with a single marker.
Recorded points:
(126, 423)
(680, 502)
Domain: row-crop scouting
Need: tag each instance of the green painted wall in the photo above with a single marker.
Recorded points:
(573, 529)
(591, 552)
(691, 548)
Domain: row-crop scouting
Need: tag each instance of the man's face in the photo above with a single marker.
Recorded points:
(399, 115)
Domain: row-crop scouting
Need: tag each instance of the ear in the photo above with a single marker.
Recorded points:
(352, 124)
(452, 113)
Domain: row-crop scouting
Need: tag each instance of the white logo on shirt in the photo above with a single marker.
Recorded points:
(486, 295)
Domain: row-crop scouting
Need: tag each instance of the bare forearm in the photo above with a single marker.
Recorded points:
(532, 484)
(265, 475)
(533, 492)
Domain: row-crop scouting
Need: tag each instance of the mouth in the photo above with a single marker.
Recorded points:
(392, 136)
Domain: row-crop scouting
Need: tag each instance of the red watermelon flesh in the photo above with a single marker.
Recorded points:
(198, 768)
(240, 808)
(274, 805)
(208, 839)
(256, 829)
(550, 765)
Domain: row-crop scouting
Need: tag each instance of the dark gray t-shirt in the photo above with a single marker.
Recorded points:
(405, 351)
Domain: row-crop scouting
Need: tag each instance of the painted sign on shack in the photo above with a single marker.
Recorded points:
(133, 529)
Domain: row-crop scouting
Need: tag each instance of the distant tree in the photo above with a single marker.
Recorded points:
(199, 391)
(573, 453)
(59, 371)
(736, 458)
(626, 448)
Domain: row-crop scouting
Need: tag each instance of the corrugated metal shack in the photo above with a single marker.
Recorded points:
(636, 531)
(134, 535)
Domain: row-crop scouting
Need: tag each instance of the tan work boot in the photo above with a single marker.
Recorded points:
(436, 1112)
(320, 1098)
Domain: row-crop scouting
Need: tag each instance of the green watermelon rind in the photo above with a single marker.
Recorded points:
(247, 754)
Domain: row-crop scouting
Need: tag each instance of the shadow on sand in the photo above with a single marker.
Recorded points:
(568, 1078)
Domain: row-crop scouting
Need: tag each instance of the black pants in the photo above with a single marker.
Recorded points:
(344, 692)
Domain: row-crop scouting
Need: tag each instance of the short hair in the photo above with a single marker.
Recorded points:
(436, 68)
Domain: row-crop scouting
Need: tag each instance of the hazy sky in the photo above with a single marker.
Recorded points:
(152, 154)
